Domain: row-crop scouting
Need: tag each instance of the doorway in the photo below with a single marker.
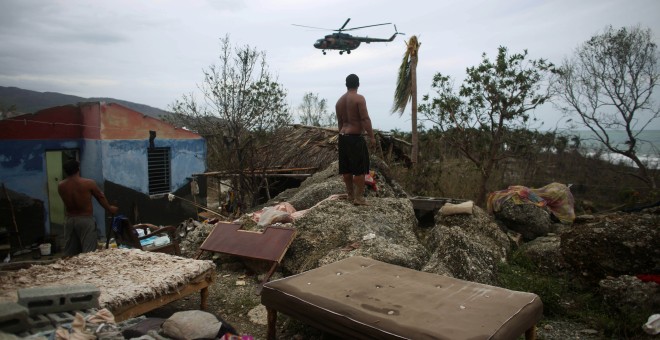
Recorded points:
(55, 160)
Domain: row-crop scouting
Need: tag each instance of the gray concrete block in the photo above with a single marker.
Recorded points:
(40, 320)
(61, 317)
(13, 317)
(53, 299)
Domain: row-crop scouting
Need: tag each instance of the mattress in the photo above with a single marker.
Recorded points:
(362, 298)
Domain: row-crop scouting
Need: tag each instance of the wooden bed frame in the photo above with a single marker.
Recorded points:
(143, 305)
(132, 282)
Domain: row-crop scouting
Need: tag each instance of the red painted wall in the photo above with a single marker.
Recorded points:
(61, 122)
(123, 123)
(91, 120)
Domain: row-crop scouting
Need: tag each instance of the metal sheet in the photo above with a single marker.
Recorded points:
(270, 245)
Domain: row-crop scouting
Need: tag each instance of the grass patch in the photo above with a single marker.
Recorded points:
(569, 298)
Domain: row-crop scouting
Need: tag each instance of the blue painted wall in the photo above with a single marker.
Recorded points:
(23, 165)
(125, 161)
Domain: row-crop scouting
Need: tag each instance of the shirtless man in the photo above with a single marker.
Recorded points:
(76, 192)
(353, 119)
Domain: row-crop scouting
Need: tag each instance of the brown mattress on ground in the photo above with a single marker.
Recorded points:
(363, 298)
(125, 277)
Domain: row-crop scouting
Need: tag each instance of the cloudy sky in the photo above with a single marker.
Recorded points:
(154, 51)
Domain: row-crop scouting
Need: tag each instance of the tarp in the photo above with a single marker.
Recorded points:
(555, 196)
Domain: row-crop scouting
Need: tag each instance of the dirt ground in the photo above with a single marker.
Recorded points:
(232, 298)
(240, 306)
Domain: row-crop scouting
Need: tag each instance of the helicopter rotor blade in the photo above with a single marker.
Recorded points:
(317, 28)
(344, 25)
(357, 28)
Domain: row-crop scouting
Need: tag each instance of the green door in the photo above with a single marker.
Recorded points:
(55, 173)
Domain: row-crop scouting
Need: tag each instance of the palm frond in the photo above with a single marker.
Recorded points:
(403, 91)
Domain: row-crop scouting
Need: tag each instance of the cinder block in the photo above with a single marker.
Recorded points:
(13, 317)
(38, 321)
(44, 300)
(61, 317)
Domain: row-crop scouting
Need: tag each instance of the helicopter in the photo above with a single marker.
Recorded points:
(345, 42)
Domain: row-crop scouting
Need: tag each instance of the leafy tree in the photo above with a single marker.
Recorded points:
(6, 110)
(406, 90)
(494, 102)
(241, 101)
(314, 111)
(608, 84)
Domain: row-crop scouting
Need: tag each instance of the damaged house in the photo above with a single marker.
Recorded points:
(135, 159)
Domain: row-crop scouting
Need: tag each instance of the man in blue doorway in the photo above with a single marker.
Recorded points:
(80, 230)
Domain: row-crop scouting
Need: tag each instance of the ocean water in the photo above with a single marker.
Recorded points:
(647, 148)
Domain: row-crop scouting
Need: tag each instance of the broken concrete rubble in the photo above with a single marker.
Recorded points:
(326, 230)
(614, 244)
(527, 219)
(467, 247)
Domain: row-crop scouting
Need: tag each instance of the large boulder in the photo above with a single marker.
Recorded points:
(629, 295)
(527, 219)
(467, 247)
(336, 229)
(545, 252)
(615, 244)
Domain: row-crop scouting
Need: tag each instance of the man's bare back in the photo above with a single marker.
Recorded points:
(77, 192)
(352, 115)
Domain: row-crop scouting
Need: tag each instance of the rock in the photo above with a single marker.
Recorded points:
(628, 294)
(334, 230)
(527, 219)
(258, 315)
(616, 244)
(194, 238)
(584, 218)
(545, 252)
(467, 247)
(192, 324)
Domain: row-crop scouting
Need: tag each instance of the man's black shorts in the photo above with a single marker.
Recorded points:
(353, 155)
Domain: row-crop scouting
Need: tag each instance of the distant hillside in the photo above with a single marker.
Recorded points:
(27, 101)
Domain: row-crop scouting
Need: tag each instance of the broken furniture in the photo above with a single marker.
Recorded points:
(269, 245)
(361, 298)
(132, 282)
(127, 235)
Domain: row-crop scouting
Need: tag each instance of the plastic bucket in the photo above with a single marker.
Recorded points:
(45, 249)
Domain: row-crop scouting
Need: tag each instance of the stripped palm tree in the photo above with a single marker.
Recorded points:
(406, 90)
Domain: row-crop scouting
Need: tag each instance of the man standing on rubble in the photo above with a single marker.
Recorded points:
(80, 227)
(353, 119)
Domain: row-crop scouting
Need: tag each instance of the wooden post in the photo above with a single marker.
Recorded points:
(204, 295)
(272, 324)
(530, 334)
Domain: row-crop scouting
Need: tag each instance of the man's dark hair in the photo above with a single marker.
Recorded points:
(352, 81)
(71, 167)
